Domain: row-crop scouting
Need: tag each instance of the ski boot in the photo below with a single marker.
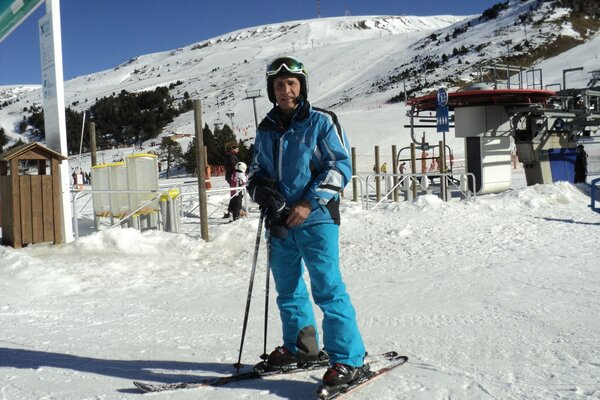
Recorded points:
(281, 359)
(342, 374)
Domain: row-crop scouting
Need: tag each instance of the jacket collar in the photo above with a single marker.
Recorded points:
(274, 119)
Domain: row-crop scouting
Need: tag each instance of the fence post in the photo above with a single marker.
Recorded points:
(354, 185)
(444, 178)
(376, 169)
(413, 169)
(200, 164)
(394, 172)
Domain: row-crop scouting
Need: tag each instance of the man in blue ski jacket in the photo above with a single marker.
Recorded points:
(300, 165)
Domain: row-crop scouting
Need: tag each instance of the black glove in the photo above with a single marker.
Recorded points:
(276, 224)
(273, 203)
(268, 199)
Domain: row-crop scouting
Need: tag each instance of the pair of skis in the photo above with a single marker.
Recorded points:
(389, 360)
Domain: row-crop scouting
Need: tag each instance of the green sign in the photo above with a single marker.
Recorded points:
(13, 12)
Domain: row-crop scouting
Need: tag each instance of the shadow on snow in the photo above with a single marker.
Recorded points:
(162, 371)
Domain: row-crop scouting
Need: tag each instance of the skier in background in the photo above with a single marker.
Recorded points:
(580, 165)
(238, 179)
(301, 163)
(231, 160)
(402, 167)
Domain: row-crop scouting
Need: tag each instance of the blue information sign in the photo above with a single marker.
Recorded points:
(442, 97)
(441, 116)
(441, 112)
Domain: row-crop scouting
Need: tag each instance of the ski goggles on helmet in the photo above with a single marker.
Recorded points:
(290, 64)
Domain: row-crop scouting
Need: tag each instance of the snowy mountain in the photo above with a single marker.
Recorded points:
(354, 62)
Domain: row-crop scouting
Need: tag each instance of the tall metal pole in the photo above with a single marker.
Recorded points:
(444, 178)
(81, 139)
(255, 115)
(253, 94)
(395, 171)
(354, 184)
(93, 143)
(200, 164)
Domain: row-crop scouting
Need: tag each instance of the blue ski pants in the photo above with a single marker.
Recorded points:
(317, 248)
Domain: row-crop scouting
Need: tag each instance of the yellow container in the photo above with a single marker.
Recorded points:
(100, 181)
(119, 202)
(142, 174)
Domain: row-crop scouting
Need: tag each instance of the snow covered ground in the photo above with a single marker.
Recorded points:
(496, 297)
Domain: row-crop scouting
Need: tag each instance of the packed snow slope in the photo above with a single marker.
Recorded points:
(496, 297)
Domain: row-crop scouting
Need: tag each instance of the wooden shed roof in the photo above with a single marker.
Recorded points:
(18, 151)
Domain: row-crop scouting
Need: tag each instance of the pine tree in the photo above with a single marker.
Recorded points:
(170, 151)
(222, 137)
(3, 139)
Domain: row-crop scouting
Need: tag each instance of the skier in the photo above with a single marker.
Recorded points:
(238, 179)
(231, 160)
(580, 165)
(300, 164)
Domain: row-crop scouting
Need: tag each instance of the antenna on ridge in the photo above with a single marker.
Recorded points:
(318, 8)
(347, 13)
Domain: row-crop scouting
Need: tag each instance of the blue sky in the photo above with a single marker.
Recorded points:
(100, 34)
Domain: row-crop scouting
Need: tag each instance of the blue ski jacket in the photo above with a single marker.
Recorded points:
(309, 160)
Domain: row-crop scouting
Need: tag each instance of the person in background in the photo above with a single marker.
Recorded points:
(581, 165)
(402, 167)
(78, 179)
(231, 160)
(238, 179)
(301, 163)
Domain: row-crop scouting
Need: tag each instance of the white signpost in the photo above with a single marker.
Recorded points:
(53, 96)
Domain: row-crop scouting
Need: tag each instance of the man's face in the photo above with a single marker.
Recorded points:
(286, 89)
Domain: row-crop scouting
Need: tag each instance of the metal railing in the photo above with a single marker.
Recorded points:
(77, 194)
(184, 191)
(190, 188)
(407, 184)
(594, 190)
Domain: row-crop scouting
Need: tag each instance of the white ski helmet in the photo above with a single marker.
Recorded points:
(241, 167)
(286, 65)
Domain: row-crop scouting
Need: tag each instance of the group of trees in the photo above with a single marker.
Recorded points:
(215, 143)
(132, 118)
(586, 7)
(123, 119)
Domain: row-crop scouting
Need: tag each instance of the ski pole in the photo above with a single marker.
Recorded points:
(238, 365)
(265, 355)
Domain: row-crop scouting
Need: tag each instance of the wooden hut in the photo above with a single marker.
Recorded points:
(30, 195)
